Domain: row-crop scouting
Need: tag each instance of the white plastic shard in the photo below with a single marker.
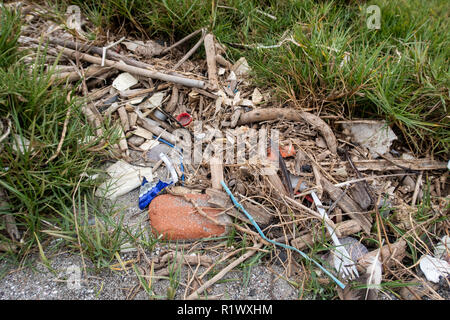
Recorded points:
(21, 144)
(124, 178)
(231, 76)
(376, 136)
(256, 96)
(154, 101)
(148, 49)
(442, 249)
(434, 268)
(124, 81)
(169, 166)
(241, 67)
(133, 45)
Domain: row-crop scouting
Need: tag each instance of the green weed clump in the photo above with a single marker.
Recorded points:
(48, 198)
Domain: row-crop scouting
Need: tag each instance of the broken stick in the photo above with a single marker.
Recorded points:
(344, 229)
(348, 205)
(216, 173)
(211, 59)
(223, 272)
(133, 69)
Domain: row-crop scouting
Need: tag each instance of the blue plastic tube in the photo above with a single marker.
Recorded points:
(239, 206)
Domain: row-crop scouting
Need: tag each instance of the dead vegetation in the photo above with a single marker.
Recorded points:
(391, 204)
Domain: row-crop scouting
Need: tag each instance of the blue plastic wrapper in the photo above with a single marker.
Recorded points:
(149, 191)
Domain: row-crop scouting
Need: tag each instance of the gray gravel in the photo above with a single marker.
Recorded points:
(38, 282)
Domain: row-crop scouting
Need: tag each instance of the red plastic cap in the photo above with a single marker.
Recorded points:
(184, 118)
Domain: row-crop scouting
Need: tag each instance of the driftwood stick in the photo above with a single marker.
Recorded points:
(223, 62)
(216, 173)
(176, 44)
(147, 91)
(416, 189)
(392, 164)
(211, 58)
(98, 94)
(172, 104)
(101, 78)
(345, 228)
(130, 65)
(154, 128)
(348, 205)
(223, 272)
(123, 145)
(91, 71)
(96, 50)
(388, 254)
(134, 70)
(190, 52)
(123, 115)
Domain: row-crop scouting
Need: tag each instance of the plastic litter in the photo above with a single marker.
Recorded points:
(184, 118)
(442, 249)
(149, 191)
(376, 136)
(158, 114)
(124, 81)
(239, 206)
(124, 178)
(434, 268)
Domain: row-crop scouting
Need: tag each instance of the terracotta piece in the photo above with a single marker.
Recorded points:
(177, 219)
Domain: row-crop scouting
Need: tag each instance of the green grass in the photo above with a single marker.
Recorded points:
(47, 197)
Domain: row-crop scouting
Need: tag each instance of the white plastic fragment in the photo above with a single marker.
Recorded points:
(434, 268)
(407, 156)
(169, 166)
(124, 81)
(442, 249)
(376, 136)
(256, 96)
(221, 71)
(124, 178)
(231, 76)
(21, 144)
(137, 100)
(154, 101)
(148, 144)
(241, 67)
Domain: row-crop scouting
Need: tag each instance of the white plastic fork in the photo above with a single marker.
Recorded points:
(341, 258)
